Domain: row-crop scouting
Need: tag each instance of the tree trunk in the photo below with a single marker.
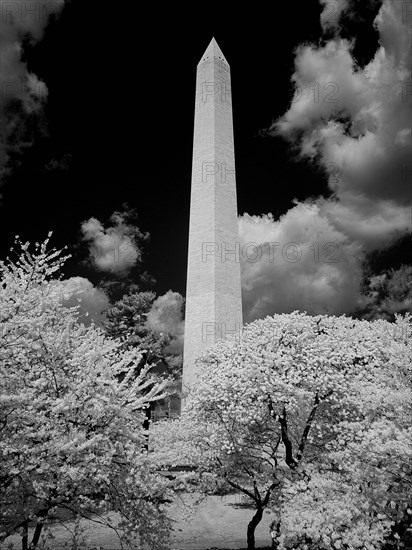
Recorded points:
(146, 425)
(36, 536)
(254, 522)
(25, 537)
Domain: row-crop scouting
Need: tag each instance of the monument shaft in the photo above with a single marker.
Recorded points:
(213, 293)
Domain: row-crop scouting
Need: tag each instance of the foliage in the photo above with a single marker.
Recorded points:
(388, 293)
(71, 433)
(127, 320)
(306, 414)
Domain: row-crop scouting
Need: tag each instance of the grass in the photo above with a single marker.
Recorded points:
(219, 523)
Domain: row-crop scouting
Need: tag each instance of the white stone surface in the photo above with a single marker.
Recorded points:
(213, 294)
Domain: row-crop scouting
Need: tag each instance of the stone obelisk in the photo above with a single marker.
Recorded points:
(213, 292)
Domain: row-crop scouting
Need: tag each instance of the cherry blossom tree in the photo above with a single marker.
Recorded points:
(301, 410)
(72, 434)
(358, 495)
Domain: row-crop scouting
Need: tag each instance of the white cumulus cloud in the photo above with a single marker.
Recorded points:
(356, 122)
(300, 261)
(114, 249)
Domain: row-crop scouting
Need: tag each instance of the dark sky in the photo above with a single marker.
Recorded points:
(121, 82)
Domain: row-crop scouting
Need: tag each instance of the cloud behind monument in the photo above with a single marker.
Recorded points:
(355, 123)
(302, 262)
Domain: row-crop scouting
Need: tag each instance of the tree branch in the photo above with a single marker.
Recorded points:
(290, 461)
(309, 423)
(239, 488)
(268, 493)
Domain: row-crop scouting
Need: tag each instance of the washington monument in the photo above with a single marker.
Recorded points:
(213, 293)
